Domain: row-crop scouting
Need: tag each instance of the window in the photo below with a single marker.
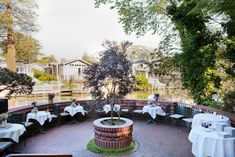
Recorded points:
(79, 71)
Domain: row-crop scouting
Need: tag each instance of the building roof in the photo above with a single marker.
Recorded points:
(75, 60)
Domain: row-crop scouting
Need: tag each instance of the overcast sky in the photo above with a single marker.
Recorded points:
(71, 27)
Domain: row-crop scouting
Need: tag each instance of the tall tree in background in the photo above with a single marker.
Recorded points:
(16, 15)
(27, 48)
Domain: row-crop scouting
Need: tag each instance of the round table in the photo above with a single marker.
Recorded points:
(210, 144)
(207, 117)
(107, 108)
(153, 110)
(14, 131)
(40, 116)
(72, 110)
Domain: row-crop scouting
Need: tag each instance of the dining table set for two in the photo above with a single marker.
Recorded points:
(212, 136)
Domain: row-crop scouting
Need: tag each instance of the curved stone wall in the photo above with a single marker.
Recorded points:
(113, 137)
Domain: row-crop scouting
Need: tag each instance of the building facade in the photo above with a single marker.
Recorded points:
(73, 70)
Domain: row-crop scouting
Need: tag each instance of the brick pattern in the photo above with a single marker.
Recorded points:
(113, 138)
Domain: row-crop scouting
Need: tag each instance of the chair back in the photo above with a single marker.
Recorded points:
(17, 118)
(56, 109)
(131, 107)
(87, 106)
(180, 109)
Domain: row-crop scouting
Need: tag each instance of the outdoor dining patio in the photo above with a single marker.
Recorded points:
(162, 130)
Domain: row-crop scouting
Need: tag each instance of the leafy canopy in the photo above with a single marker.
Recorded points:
(12, 83)
(27, 48)
(112, 76)
(199, 43)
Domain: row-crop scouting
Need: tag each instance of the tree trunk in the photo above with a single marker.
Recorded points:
(11, 60)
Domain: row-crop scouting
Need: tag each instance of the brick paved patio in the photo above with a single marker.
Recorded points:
(161, 140)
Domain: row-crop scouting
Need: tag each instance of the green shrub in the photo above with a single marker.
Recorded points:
(229, 101)
(43, 76)
(211, 103)
(142, 82)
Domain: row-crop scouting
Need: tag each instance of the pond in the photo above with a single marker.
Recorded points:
(165, 94)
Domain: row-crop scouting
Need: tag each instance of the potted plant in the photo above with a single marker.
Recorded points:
(110, 79)
(51, 97)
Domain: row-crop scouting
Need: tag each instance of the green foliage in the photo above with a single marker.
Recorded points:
(141, 82)
(197, 63)
(46, 60)
(88, 58)
(43, 76)
(24, 16)
(213, 104)
(92, 147)
(188, 19)
(229, 101)
(27, 48)
(15, 84)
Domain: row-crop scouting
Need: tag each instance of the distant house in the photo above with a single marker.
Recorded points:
(142, 66)
(73, 70)
(28, 68)
(23, 68)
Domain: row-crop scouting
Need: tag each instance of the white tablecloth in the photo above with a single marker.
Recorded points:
(153, 111)
(13, 132)
(40, 116)
(210, 144)
(107, 108)
(73, 110)
(207, 117)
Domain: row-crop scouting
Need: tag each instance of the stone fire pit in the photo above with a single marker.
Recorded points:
(113, 136)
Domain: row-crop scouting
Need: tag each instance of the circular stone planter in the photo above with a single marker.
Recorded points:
(114, 136)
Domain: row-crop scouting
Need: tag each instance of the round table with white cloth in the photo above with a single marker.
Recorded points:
(72, 110)
(207, 117)
(153, 110)
(14, 131)
(209, 144)
(107, 108)
(40, 116)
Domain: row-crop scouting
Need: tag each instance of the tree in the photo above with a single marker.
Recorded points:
(112, 77)
(47, 59)
(27, 48)
(88, 58)
(12, 83)
(18, 15)
(199, 45)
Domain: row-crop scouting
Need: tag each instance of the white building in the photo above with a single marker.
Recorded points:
(28, 69)
(142, 66)
(22, 68)
(73, 69)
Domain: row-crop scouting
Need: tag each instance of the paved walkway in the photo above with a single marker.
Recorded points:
(161, 140)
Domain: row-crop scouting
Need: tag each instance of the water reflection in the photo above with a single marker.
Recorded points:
(165, 94)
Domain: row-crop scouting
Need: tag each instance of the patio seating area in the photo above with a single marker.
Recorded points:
(167, 136)
(155, 140)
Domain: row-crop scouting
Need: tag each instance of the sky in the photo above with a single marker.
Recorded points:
(68, 28)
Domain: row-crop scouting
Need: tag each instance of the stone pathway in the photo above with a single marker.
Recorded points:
(161, 140)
